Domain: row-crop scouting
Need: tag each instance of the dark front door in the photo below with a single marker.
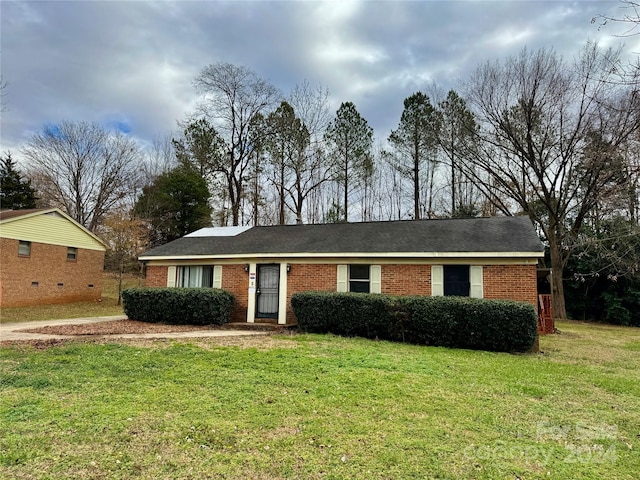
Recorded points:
(267, 294)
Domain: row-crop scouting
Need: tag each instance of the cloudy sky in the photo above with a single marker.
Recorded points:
(130, 64)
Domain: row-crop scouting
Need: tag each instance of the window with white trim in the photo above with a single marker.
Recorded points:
(72, 254)
(195, 276)
(359, 278)
(458, 280)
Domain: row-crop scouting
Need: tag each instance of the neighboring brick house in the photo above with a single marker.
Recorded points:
(47, 257)
(263, 266)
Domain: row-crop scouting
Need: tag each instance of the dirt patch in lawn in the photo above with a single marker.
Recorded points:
(98, 333)
(117, 327)
(258, 342)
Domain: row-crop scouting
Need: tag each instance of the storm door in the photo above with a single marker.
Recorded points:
(267, 294)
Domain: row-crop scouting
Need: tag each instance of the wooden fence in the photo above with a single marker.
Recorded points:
(545, 315)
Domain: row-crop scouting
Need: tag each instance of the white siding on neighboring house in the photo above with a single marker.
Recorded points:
(50, 228)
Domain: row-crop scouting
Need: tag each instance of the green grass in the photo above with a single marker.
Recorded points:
(313, 406)
(108, 305)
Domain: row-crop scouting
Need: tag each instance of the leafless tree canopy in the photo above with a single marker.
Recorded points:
(549, 139)
(83, 169)
(232, 96)
(3, 94)
(629, 15)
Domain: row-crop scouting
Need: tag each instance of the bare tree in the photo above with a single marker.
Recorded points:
(547, 129)
(312, 169)
(231, 97)
(127, 238)
(311, 105)
(629, 15)
(160, 158)
(83, 169)
(3, 94)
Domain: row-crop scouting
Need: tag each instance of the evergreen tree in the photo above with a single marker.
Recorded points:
(414, 142)
(15, 193)
(456, 135)
(175, 204)
(287, 141)
(351, 138)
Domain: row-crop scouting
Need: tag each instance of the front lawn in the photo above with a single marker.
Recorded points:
(313, 406)
(106, 307)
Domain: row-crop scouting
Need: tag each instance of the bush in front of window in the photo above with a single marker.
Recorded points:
(463, 322)
(455, 322)
(348, 314)
(178, 306)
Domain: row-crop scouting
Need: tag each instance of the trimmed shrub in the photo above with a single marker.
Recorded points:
(457, 322)
(461, 322)
(178, 306)
(348, 314)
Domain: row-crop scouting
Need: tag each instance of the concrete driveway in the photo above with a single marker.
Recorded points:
(10, 331)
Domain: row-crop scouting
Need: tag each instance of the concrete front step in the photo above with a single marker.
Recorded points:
(258, 326)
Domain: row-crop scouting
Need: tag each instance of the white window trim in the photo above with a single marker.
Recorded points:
(476, 288)
(375, 278)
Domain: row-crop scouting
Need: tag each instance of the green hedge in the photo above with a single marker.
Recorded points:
(349, 314)
(457, 322)
(178, 306)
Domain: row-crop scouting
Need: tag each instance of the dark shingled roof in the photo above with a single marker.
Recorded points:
(9, 214)
(495, 234)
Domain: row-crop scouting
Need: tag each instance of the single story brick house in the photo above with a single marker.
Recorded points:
(492, 257)
(47, 257)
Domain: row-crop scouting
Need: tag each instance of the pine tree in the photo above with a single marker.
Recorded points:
(350, 137)
(415, 142)
(15, 193)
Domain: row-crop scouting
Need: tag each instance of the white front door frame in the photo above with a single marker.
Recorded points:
(282, 294)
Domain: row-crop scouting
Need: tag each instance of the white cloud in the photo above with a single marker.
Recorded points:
(134, 62)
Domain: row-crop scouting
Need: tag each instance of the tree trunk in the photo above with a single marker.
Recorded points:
(346, 192)
(416, 184)
(557, 286)
(453, 191)
(281, 212)
(120, 275)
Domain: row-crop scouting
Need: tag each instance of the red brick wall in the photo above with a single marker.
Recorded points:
(511, 282)
(406, 279)
(302, 278)
(514, 282)
(156, 276)
(236, 281)
(48, 266)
